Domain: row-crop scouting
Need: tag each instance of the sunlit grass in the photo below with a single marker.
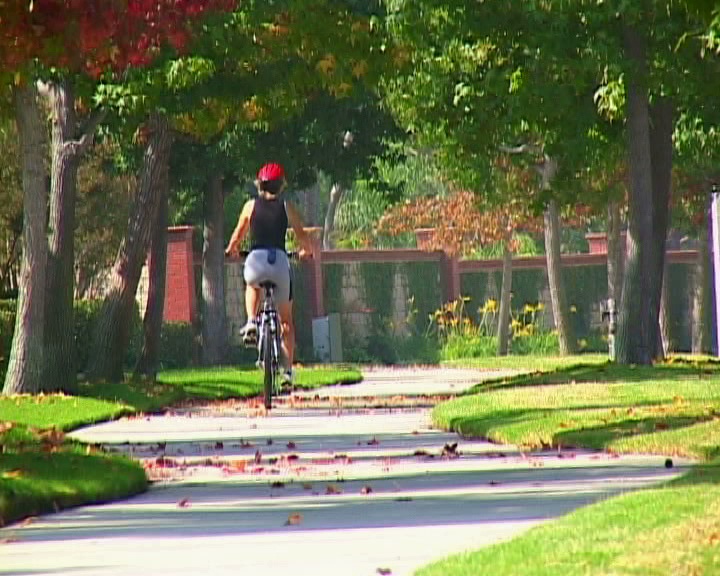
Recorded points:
(672, 408)
(41, 472)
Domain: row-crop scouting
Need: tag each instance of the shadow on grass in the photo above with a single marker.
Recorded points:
(609, 372)
(577, 435)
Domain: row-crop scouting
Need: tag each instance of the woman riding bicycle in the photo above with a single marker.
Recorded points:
(267, 218)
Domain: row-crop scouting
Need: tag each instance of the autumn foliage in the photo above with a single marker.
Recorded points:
(461, 224)
(95, 36)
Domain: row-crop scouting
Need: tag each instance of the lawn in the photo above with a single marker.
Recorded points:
(527, 363)
(41, 471)
(99, 402)
(671, 409)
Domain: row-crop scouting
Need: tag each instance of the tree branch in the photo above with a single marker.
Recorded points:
(89, 129)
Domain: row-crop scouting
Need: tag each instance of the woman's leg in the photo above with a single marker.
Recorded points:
(288, 331)
(252, 298)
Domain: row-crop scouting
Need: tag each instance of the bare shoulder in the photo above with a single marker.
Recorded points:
(248, 207)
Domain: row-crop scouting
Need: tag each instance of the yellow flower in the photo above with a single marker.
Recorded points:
(528, 309)
(573, 308)
(491, 305)
(540, 307)
(583, 343)
(466, 298)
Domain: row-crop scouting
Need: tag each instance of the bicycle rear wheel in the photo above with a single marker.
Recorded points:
(268, 368)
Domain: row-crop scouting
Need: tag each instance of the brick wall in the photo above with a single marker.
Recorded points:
(348, 294)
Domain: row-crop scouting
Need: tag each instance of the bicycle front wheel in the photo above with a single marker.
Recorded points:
(269, 369)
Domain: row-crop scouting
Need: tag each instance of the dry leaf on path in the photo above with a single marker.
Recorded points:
(365, 490)
(332, 489)
(294, 519)
(184, 503)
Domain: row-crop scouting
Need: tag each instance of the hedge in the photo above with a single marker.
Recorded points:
(176, 347)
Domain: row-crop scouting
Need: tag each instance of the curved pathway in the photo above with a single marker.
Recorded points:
(344, 480)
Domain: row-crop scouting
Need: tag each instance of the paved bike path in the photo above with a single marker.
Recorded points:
(346, 480)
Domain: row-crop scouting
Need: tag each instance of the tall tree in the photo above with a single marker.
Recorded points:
(61, 42)
(25, 369)
(484, 74)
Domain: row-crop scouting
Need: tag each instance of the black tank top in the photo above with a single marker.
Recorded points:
(268, 224)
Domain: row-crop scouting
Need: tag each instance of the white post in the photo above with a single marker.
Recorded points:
(715, 221)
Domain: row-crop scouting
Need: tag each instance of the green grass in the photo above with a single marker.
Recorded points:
(672, 408)
(99, 402)
(228, 382)
(40, 471)
(528, 363)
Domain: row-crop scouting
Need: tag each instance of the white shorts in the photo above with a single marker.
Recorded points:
(260, 267)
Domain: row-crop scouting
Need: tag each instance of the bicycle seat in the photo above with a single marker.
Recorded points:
(268, 284)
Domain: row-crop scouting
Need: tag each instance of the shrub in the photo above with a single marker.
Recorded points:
(177, 347)
(86, 312)
(457, 346)
(7, 327)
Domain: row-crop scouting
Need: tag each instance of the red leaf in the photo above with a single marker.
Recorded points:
(290, 445)
(184, 503)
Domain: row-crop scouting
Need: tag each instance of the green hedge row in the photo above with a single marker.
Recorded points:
(177, 347)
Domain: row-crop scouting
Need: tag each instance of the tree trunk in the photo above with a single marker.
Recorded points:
(60, 369)
(661, 155)
(149, 359)
(309, 200)
(614, 253)
(561, 313)
(665, 344)
(634, 343)
(503, 330)
(336, 193)
(213, 276)
(25, 369)
(112, 330)
(701, 322)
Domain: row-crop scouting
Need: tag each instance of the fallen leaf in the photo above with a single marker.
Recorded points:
(384, 571)
(365, 490)
(269, 441)
(373, 442)
(219, 446)
(293, 457)
(294, 519)
(450, 451)
(258, 456)
(403, 499)
(420, 453)
(184, 503)
(332, 489)
(668, 463)
(307, 486)
(290, 445)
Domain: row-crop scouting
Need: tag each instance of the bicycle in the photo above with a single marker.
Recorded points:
(269, 341)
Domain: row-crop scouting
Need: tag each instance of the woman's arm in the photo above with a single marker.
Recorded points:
(296, 222)
(241, 229)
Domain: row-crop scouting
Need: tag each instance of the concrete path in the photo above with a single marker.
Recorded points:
(345, 480)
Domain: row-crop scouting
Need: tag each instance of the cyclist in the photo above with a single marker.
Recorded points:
(266, 218)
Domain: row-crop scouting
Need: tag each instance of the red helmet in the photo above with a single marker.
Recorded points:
(271, 171)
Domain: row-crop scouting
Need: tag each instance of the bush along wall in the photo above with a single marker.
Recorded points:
(176, 348)
(586, 290)
(376, 325)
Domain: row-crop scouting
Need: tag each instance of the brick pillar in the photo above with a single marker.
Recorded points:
(314, 274)
(180, 299)
(450, 276)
